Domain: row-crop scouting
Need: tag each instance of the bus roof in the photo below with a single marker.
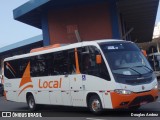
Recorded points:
(69, 46)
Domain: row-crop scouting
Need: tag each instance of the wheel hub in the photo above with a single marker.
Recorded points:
(96, 105)
(31, 103)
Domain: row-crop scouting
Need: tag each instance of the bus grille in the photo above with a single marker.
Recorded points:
(140, 99)
(146, 80)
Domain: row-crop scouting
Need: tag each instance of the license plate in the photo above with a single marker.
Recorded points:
(143, 103)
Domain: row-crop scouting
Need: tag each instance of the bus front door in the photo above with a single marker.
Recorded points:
(65, 92)
(76, 90)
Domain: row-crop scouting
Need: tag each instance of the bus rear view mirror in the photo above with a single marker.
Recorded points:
(144, 53)
(98, 59)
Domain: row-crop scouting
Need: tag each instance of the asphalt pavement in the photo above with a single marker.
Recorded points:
(71, 113)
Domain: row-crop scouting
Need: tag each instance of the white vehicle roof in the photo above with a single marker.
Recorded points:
(69, 46)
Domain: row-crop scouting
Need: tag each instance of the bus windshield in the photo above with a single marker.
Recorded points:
(125, 58)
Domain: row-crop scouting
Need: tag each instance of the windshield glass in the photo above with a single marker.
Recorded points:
(125, 58)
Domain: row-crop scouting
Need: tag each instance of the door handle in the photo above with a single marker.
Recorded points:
(39, 91)
(50, 91)
(63, 91)
(76, 91)
(14, 91)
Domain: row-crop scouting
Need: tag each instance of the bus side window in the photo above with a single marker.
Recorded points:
(38, 66)
(89, 65)
(11, 69)
(61, 66)
(22, 66)
(71, 61)
(15, 68)
(104, 71)
(50, 63)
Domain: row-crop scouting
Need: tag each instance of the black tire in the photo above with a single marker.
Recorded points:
(31, 103)
(95, 105)
(135, 107)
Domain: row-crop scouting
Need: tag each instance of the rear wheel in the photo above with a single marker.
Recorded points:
(31, 103)
(95, 105)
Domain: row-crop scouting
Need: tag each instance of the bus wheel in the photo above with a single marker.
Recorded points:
(134, 107)
(31, 103)
(95, 105)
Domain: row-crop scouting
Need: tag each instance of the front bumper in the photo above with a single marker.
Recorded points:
(134, 99)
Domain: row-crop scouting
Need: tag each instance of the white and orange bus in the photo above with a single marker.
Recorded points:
(103, 74)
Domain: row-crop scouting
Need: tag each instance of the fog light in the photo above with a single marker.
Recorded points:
(155, 87)
(124, 103)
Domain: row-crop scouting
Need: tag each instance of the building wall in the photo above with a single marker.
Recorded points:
(92, 21)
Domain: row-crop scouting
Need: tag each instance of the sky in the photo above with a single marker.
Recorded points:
(12, 31)
(158, 14)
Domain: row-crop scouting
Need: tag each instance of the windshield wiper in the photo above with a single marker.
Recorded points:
(129, 68)
(145, 67)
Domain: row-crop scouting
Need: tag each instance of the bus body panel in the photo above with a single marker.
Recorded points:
(139, 88)
(77, 91)
(73, 91)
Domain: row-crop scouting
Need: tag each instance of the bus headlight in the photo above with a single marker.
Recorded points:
(124, 92)
(155, 87)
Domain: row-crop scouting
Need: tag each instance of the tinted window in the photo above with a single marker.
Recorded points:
(39, 66)
(15, 68)
(71, 61)
(61, 64)
(49, 64)
(89, 65)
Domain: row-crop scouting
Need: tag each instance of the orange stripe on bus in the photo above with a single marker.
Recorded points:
(117, 99)
(11, 67)
(29, 86)
(77, 62)
(45, 48)
(26, 78)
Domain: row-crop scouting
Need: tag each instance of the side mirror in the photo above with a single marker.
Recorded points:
(144, 53)
(98, 59)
